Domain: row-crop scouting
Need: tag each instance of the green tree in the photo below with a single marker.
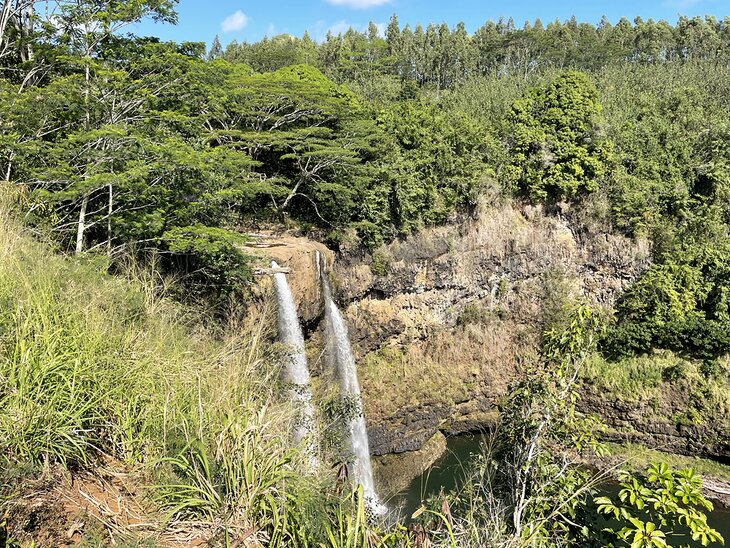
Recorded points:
(556, 146)
(436, 164)
(216, 50)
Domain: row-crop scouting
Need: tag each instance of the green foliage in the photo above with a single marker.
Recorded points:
(381, 261)
(634, 378)
(127, 143)
(433, 164)
(438, 56)
(524, 488)
(475, 314)
(666, 293)
(242, 480)
(556, 148)
(211, 259)
(351, 530)
(678, 306)
(95, 366)
(652, 510)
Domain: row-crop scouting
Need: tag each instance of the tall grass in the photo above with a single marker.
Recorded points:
(85, 369)
(95, 367)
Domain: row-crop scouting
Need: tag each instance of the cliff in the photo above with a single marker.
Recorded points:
(442, 321)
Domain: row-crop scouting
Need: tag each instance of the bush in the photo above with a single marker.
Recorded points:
(381, 261)
(212, 261)
(664, 501)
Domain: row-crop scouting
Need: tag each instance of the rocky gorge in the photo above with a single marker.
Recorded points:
(442, 321)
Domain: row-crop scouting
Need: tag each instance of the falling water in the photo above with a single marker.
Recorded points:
(361, 470)
(296, 373)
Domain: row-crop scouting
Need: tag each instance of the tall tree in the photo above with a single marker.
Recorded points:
(216, 51)
(556, 149)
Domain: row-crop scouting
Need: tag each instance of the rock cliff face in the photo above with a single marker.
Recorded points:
(443, 321)
(654, 423)
(299, 257)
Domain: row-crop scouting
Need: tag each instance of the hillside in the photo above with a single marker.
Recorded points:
(230, 277)
(123, 415)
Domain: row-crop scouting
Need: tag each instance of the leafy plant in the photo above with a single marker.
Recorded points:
(211, 259)
(556, 148)
(664, 507)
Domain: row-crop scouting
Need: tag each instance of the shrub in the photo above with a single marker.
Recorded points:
(381, 261)
(211, 259)
(556, 147)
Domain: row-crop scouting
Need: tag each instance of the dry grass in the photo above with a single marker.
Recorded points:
(451, 366)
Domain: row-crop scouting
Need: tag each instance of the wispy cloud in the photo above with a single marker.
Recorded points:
(359, 4)
(340, 27)
(234, 22)
(682, 4)
(320, 29)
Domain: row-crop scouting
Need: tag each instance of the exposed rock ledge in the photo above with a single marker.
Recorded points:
(452, 313)
(299, 257)
(654, 424)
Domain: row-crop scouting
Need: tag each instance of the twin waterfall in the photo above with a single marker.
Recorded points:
(297, 374)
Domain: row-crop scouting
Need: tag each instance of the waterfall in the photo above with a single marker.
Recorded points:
(339, 340)
(296, 372)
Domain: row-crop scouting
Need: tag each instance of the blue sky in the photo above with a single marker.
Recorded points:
(250, 20)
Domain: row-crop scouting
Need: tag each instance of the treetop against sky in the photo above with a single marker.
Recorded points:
(249, 20)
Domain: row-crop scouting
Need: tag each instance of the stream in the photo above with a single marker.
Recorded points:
(449, 470)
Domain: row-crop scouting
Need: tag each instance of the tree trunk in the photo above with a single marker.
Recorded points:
(110, 209)
(9, 170)
(82, 225)
(26, 30)
(291, 194)
(5, 16)
(87, 94)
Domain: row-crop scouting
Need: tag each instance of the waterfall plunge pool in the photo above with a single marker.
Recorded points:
(449, 470)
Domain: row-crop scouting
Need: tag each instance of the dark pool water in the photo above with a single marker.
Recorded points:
(448, 473)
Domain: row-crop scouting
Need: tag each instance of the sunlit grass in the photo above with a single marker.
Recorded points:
(94, 366)
(638, 457)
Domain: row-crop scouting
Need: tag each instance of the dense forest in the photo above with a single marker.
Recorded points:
(123, 148)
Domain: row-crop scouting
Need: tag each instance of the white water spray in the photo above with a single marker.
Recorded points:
(296, 372)
(361, 470)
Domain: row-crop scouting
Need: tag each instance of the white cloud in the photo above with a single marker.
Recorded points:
(320, 30)
(234, 22)
(341, 27)
(271, 30)
(359, 4)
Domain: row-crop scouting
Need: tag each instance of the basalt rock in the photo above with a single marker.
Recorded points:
(655, 424)
(445, 319)
(298, 256)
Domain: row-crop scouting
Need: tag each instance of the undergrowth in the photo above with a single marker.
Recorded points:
(700, 387)
(96, 367)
